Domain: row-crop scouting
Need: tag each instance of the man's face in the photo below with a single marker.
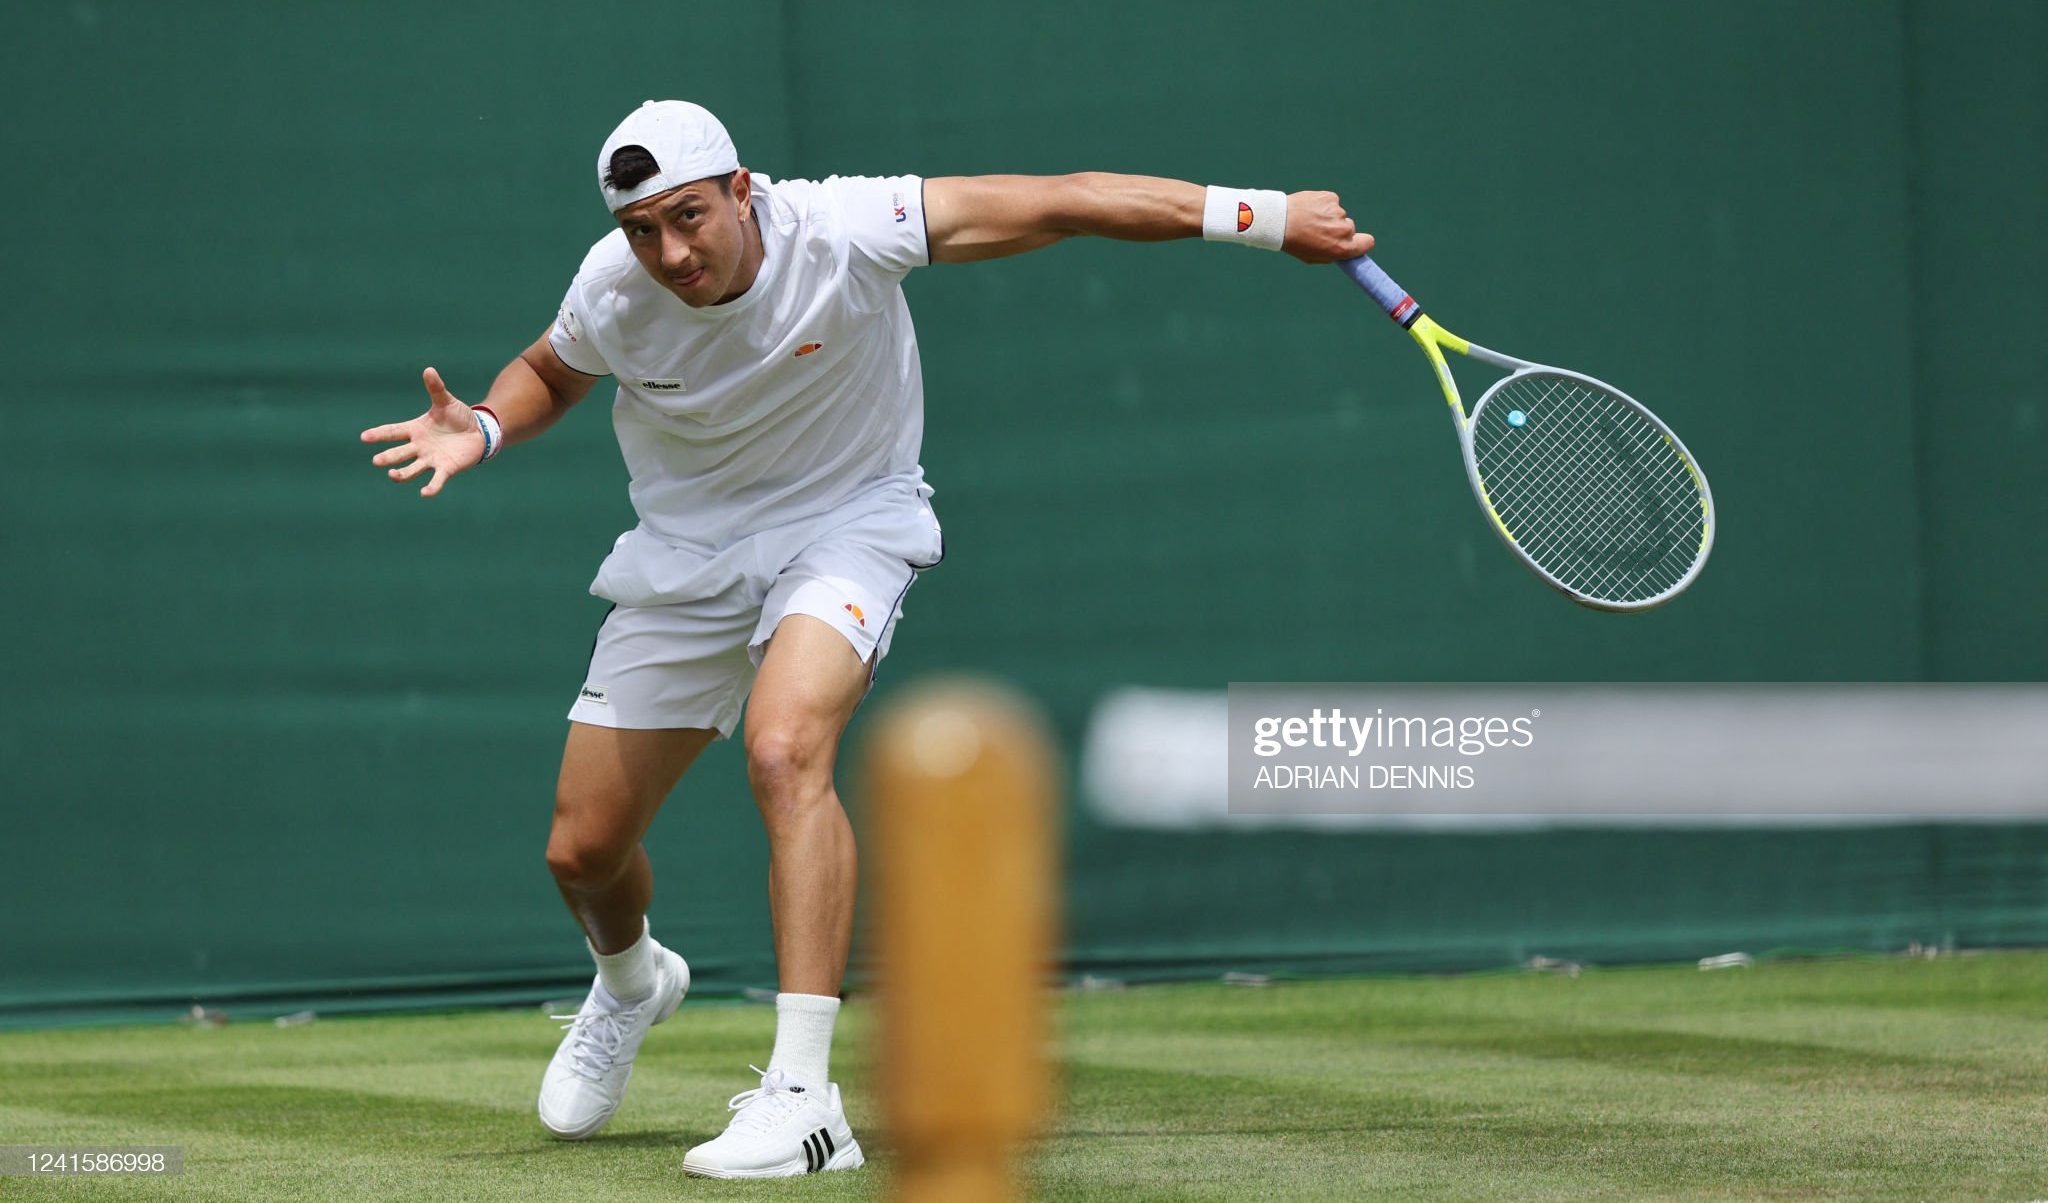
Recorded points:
(692, 239)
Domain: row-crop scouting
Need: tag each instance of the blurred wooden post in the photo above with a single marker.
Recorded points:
(961, 794)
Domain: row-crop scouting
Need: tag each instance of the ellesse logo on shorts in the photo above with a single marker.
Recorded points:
(594, 694)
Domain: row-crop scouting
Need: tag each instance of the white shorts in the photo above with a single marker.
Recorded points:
(690, 663)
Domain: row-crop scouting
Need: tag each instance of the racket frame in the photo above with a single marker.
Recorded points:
(1435, 340)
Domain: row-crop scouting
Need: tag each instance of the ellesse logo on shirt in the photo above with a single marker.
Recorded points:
(662, 386)
(806, 349)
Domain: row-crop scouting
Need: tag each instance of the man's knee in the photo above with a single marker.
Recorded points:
(789, 770)
(584, 851)
(585, 863)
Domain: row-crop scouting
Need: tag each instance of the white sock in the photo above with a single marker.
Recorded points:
(803, 1036)
(629, 974)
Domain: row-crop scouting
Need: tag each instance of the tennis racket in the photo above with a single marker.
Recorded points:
(1588, 488)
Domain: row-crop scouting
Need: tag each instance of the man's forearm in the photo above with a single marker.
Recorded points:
(1135, 208)
(969, 218)
(524, 403)
(990, 216)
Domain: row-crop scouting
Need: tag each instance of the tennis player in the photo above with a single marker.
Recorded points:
(770, 409)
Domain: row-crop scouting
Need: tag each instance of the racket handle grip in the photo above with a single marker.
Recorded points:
(1381, 287)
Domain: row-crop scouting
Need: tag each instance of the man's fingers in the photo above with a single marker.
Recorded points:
(434, 486)
(396, 454)
(1361, 243)
(408, 471)
(385, 434)
(435, 388)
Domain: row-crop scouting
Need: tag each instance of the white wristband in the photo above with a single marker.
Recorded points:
(494, 434)
(1251, 216)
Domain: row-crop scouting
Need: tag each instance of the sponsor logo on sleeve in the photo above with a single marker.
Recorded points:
(565, 321)
(662, 386)
(596, 695)
(901, 210)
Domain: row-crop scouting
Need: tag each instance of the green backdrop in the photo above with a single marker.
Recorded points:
(276, 730)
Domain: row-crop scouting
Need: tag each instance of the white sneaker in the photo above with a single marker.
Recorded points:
(587, 1079)
(784, 1128)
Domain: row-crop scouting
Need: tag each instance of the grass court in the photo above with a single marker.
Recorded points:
(1866, 1078)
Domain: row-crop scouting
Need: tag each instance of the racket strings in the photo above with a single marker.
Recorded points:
(1589, 487)
(1620, 560)
(1603, 471)
(1601, 529)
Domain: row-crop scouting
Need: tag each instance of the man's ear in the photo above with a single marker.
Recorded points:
(742, 190)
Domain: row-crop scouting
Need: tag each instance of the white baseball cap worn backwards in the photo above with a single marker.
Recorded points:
(687, 143)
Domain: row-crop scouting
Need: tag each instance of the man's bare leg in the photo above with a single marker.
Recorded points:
(810, 681)
(612, 783)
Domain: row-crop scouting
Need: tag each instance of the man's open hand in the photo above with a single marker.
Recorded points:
(1319, 231)
(444, 439)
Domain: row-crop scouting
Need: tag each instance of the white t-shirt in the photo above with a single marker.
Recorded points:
(796, 400)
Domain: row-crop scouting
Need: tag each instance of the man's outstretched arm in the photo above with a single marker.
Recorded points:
(988, 216)
(529, 395)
